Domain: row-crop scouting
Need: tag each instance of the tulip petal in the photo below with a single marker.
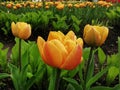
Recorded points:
(80, 42)
(104, 33)
(55, 35)
(86, 28)
(25, 31)
(73, 59)
(71, 35)
(69, 45)
(92, 37)
(14, 29)
(40, 43)
(54, 51)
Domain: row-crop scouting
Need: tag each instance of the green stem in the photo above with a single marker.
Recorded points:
(58, 79)
(87, 67)
(54, 79)
(19, 58)
(119, 76)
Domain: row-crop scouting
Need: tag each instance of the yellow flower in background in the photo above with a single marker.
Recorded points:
(60, 6)
(61, 51)
(95, 35)
(21, 30)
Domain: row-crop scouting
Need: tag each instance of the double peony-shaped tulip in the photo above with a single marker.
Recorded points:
(61, 51)
(21, 30)
(95, 35)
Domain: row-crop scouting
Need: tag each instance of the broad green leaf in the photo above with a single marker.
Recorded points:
(86, 52)
(14, 75)
(111, 75)
(101, 55)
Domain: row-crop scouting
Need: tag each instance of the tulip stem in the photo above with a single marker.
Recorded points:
(58, 79)
(54, 79)
(19, 57)
(87, 67)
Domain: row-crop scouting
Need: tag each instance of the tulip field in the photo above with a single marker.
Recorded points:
(60, 45)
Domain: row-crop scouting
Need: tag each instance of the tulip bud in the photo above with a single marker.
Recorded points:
(21, 30)
(95, 35)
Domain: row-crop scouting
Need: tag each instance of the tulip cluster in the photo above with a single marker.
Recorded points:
(95, 35)
(61, 51)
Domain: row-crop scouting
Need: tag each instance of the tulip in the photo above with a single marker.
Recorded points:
(61, 51)
(60, 6)
(95, 35)
(21, 30)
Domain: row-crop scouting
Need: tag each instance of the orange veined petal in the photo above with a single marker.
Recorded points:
(70, 35)
(55, 35)
(25, 31)
(74, 59)
(92, 37)
(54, 52)
(14, 29)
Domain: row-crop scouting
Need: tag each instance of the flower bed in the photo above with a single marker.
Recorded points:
(68, 51)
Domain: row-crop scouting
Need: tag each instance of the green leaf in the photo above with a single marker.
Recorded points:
(14, 75)
(96, 77)
(70, 87)
(100, 88)
(76, 27)
(3, 57)
(119, 45)
(90, 69)
(74, 83)
(35, 76)
(75, 20)
(117, 87)
(101, 56)
(86, 52)
(112, 73)
(4, 75)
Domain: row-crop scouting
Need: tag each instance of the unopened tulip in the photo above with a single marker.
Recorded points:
(21, 30)
(95, 35)
(61, 51)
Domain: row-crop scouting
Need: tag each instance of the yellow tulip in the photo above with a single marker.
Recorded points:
(61, 51)
(60, 6)
(21, 30)
(95, 35)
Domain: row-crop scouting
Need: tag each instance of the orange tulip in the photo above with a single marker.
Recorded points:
(95, 35)
(21, 30)
(61, 51)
